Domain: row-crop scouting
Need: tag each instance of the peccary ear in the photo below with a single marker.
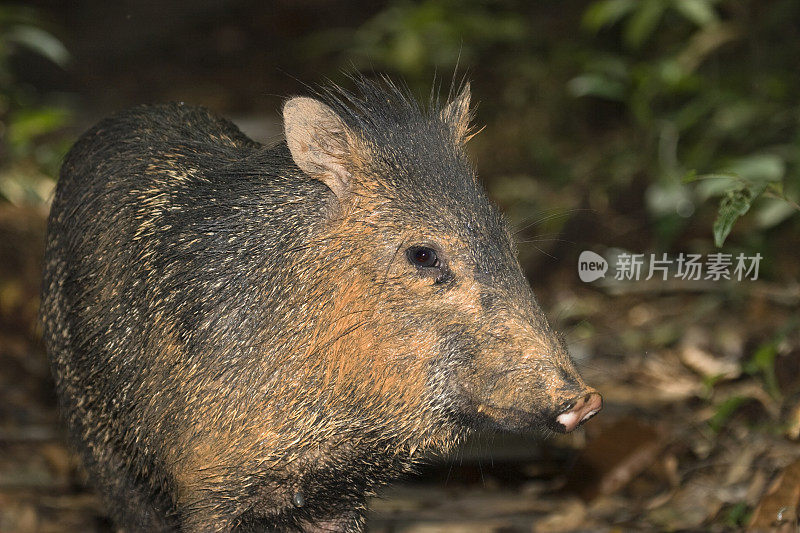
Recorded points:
(318, 141)
(457, 114)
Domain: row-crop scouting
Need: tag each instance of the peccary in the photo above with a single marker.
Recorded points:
(257, 338)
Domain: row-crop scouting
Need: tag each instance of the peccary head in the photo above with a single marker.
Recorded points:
(431, 323)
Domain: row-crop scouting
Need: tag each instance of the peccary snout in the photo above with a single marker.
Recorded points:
(580, 410)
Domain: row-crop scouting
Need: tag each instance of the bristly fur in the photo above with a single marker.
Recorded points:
(388, 118)
(376, 107)
(416, 154)
(238, 347)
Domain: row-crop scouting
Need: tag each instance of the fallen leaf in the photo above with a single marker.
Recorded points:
(778, 506)
(707, 365)
(570, 517)
(793, 429)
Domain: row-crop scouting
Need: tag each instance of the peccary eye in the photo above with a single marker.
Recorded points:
(422, 256)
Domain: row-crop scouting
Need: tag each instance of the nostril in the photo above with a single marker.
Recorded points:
(581, 411)
(594, 402)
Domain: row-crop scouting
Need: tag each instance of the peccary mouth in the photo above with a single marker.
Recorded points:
(481, 413)
(515, 420)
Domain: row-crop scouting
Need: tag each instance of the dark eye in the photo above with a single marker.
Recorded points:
(422, 256)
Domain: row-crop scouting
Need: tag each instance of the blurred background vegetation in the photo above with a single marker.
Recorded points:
(666, 119)
(661, 126)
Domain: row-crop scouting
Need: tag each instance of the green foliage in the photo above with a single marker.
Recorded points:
(725, 410)
(415, 38)
(738, 515)
(762, 364)
(746, 180)
(735, 204)
(31, 150)
(22, 27)
(652, 91)
(644, 16)
(693, 74)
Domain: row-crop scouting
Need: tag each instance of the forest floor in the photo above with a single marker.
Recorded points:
(699, 431)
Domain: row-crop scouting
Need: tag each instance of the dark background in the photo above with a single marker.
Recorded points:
(642, 126)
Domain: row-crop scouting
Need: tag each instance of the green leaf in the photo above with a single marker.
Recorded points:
(692, 175)
(725, 411)
(606, 13)
(762, 359)
(738, 516)
(41, 42)
(596, 85)
(773, 211)
(671, 73)
(733, 205)
(26, 125)
(759, 168)
(763, 363)
(698, 11)
(668, 197)
(643, 22)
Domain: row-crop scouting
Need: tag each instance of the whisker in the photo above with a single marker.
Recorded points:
(550, 215)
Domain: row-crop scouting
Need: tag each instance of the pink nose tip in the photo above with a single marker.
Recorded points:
(584, 409)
